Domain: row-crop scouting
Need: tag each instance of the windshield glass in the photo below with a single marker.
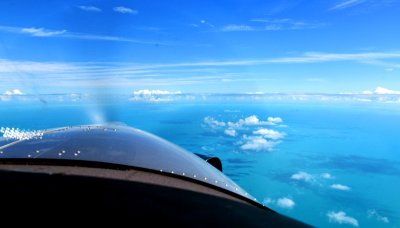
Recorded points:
(113, 144)
(299, 99)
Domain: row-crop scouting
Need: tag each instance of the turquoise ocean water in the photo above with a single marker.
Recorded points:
(328, 164)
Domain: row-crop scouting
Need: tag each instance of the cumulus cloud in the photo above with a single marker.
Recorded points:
(341, 218)
(257, 143)
(42, 32)
(10, 94)
(248, 121)
(230, 132)
(125, 10)
(270, 134)
(213, 122)
(374, 214)
(285, 203)
(381, 91)
(90, 8)
(275, 120)
(154, 95)
(304, 176)
(13, 92)
(253, 120)
(340, 187)
(260, 139)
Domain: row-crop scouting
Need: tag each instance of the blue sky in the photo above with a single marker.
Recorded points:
(288, 46)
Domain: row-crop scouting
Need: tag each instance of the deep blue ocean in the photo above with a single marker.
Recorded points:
(329, 164)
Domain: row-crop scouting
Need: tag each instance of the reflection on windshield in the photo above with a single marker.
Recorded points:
(117, 145)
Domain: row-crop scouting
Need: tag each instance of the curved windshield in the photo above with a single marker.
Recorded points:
(299, 99)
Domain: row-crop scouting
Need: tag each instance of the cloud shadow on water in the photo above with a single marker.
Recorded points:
(362, 164)
(239, 161)
(237, 168)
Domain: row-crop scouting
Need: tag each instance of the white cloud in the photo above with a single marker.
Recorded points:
(13, 92)
(90, 8)
(284, 24)
(257, 143)
(340, 187)
(388, 66)
(341, 218)
(275, 120)
(152, 99)
(381, 91)
(326, 176)
(42, 32)
(230, 132)
(308, 57)
(9, 94)
(260, 139)
(346, 4)
(154, 95)
(285, 203)
(304, 176)
(253, 120)
(125, 10)
(146, 92)
(213, 122)
(7, 66)
(270, 134)
(237, 28)
(157, 75)
(84, 36)
(374, 214)
(255, 93)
